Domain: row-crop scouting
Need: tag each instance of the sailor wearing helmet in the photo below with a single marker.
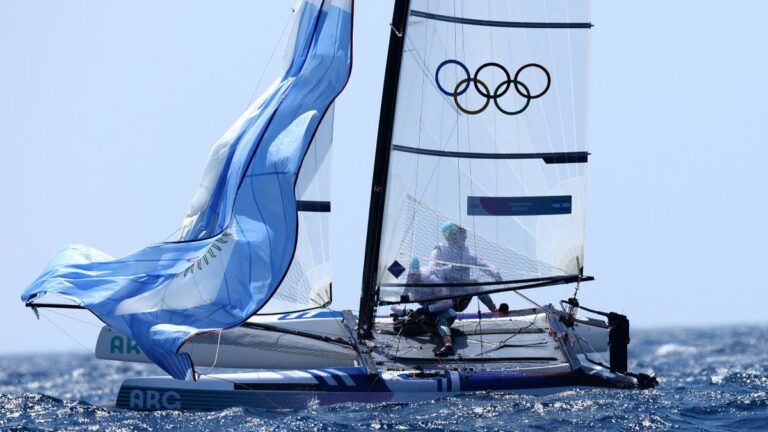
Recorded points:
(450, 263)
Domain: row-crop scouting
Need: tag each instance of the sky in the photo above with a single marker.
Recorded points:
(108, 111)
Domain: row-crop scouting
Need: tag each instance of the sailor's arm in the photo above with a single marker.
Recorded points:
(488, 302)
(434, 258)
(488, 269)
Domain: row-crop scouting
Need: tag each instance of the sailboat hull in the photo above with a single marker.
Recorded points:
(516, 352)
(297, 389)
(254, 347)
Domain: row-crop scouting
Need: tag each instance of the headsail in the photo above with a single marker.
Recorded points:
(486, 180)
(239, 241)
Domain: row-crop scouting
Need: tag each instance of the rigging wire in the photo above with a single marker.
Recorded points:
(504, 342)
(531, 301)
(256, 89)
(67, 333)
(75, 319)
(168, 237)
(271, 56)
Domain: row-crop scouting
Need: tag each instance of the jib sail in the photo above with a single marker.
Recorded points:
(251, 229)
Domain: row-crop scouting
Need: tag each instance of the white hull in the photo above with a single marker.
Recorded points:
(299, 389)
(390, 369)
(250, 348)
(255, 348)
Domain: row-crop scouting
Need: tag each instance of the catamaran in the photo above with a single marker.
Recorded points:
(479, 188)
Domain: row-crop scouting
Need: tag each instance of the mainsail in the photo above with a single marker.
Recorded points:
(485, 138)
(258, 224)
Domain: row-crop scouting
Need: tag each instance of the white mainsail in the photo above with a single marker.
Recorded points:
(490, 134)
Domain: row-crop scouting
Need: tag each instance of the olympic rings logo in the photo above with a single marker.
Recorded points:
(483, 90)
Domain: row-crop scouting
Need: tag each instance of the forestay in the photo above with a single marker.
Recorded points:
(489, 137)
(258, 224)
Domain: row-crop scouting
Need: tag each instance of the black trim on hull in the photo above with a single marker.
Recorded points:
(464, 360)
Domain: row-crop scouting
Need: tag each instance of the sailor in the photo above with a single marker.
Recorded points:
(439, 312)
(451, 262)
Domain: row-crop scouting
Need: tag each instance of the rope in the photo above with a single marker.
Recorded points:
(402, 327)
(216, 357)
(580, 339)
(578, 282)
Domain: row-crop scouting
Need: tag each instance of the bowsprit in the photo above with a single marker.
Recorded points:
(510, 82)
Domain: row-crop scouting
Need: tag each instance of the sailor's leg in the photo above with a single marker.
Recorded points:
(443, 320)
(443, 323)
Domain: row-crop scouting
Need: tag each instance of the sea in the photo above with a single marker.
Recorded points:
(711, 379)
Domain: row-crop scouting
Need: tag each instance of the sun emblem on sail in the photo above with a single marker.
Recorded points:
(521, 90)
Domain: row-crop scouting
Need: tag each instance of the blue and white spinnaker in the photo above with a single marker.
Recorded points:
(240, 237)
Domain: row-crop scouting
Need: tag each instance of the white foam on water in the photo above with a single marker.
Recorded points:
(675, 349)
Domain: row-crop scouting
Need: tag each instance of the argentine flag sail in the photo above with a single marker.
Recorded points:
(246, 237)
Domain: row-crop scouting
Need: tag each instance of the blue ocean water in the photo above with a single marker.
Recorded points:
(712, 379)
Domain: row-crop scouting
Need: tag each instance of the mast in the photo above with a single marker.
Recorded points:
(369, 294)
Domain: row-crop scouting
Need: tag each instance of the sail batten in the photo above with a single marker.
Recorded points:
(313, 206)
(508, 24)
(555, 157)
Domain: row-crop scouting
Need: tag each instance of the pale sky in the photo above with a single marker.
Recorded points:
(108, 111)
